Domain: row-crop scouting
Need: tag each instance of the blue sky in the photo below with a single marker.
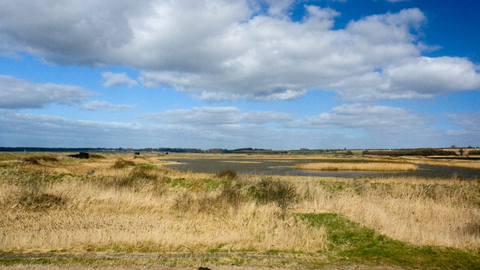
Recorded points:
(282, 74)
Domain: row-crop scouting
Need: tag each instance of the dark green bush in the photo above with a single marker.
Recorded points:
(269, 190)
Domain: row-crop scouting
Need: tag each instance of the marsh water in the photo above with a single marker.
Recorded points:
(286, 167)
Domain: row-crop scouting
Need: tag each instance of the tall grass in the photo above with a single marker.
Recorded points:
(123, 211)
(148, 208)
(445, 214)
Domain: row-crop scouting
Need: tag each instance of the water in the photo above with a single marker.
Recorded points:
(271, 167)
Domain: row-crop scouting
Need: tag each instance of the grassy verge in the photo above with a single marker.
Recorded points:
(351, 243)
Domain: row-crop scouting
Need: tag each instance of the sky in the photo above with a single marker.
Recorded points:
(284, 74)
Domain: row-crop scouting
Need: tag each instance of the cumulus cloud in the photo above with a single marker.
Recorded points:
(68, 32)
(366, 117)
(352, 116)
(17, 94)
(466, 121)
(279, 7)
(118, 79)
(99, 105)
(229, 127)
(217, 116)
(422, 77)
(18, 129)
(223, 50)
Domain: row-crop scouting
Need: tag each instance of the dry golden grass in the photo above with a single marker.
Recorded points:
(149, 208)
(134, 209)
(473, 164)
(356, 166)
(458, 162)
(419, 211)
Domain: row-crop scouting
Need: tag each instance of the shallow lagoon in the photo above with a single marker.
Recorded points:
(285, 167)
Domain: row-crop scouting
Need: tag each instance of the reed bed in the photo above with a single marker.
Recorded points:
(426, 213)
(357, 166)
(143, 207)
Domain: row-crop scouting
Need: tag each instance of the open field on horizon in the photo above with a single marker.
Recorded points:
(123, 203)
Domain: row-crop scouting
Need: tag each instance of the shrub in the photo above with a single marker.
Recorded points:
(141, 177)
(268, 190)
(233, 195)
(230, 196)
(121, 164)
(37, 159)
(96, 156)
(144, 172)
(32, 196)
(227, 174)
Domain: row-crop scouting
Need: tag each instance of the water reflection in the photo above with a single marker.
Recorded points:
(280, 167)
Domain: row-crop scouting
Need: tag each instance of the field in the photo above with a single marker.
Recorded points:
(126, 210)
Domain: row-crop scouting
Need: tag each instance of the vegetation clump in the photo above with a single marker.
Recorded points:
(121, 164)
(227, 174)
(32, 195)
(96, 156)
(37, 159)
(269, 190)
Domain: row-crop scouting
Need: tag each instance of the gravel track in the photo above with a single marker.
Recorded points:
(161, 256)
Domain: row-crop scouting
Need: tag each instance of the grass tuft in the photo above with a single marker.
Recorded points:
(121, 164)
(33, 196)
(38, 159)
(227, 174)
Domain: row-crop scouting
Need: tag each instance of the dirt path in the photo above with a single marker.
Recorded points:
(161, 256)
(265, 261)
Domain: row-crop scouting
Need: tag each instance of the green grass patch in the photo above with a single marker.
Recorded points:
(202, 184)
(352, 243)
(147, 166)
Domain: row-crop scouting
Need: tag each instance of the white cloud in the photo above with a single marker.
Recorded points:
(99, 105)
(370, 118)
(367, 126)
(17, 93)
(17, 129)
(278, 8)
(217, 116)
(118, 79)
(274, 59)
(466, 121)
(422, 77)
(224, 49)
(435, 75)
